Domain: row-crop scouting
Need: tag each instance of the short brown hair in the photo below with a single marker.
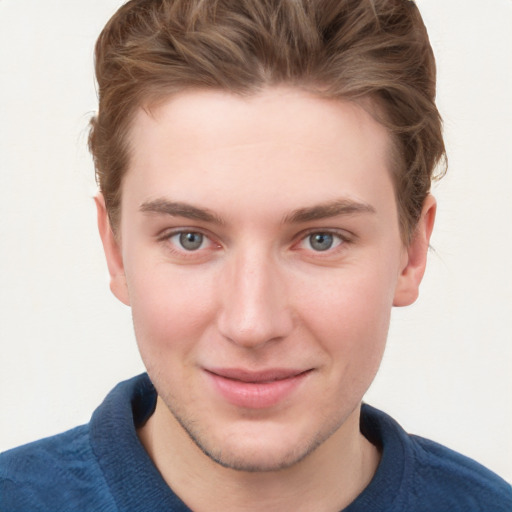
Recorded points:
(347, 49)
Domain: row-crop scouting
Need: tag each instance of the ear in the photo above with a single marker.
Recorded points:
(113, 253)
(415, 256)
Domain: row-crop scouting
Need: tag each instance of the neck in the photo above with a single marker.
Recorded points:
(332, 476)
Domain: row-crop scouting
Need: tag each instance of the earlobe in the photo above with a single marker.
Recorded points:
(112, 251)
(416, 256)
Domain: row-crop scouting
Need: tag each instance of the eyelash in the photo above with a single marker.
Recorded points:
(175, 246)
(342, 240)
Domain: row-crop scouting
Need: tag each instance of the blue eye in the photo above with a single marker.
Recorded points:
(321, 241)
(189, 240)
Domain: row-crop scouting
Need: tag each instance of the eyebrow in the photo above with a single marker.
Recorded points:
(317, 212)
(327, 210)
(177, 209)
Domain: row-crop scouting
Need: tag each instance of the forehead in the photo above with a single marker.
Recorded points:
(205, 116)
(283, 143)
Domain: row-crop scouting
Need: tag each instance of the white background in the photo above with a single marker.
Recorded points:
(65, 341)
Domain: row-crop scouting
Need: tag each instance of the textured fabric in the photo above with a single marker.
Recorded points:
(103, 467)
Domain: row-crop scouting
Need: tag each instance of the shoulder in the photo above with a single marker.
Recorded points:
(98, 466)
(56, 473)
(454, 478)
(421, 475)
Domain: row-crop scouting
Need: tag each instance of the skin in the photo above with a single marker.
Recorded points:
(260, 183)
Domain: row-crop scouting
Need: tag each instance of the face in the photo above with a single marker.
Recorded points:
(260, 253)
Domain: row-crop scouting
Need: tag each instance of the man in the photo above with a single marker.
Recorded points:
(264, 169)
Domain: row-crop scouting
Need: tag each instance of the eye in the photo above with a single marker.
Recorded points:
(321, 241)
(189, 240)
(186, 245)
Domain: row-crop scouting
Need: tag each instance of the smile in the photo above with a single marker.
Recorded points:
(256, 390)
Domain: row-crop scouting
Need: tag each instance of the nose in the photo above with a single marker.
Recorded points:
(255, 303)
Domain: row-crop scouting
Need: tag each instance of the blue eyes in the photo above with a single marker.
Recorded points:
(189, 240)
(318, 241)
(321, 241)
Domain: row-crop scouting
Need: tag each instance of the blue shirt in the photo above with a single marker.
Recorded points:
(103, 467)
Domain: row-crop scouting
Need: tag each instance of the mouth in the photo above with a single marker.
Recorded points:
(256, 389)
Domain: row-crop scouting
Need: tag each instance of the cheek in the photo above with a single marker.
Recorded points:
(169, 309)
(353, 336)
(350, 315)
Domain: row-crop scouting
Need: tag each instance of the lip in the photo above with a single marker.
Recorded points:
(256, 389)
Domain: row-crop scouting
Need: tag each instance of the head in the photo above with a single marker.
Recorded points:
(265, 168)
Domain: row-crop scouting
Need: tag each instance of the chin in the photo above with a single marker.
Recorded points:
(257, 457)
(253, 446)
